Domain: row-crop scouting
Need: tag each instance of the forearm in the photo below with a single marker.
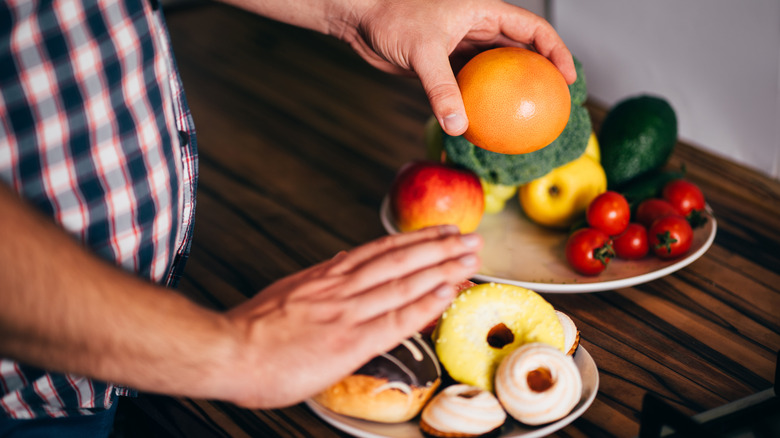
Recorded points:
(63, 309)
(332, 17)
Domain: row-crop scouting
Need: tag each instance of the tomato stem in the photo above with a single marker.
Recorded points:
(696, 218)
(604, 253)
(665, 240)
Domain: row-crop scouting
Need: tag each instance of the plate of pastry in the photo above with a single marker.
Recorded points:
(519, 252)
(518, 371)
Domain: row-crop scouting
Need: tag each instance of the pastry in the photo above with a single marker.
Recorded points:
(391, 388)
(538, 384)
(488, 321)
(461, 411)
(570, 333)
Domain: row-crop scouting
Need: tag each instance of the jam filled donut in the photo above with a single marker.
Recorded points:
(391, 388)
(538, 384)
(461, 411)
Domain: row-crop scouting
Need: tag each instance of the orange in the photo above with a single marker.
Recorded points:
(516, 100)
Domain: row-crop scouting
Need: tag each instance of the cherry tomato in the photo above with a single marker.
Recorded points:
(651, 209)
(670, 236)
(684, 196)
(589, 250)
(609, 212)
(631, 244)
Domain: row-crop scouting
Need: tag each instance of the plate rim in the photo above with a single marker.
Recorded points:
(599, 286)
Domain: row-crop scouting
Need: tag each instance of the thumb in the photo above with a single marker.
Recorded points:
(443, 93)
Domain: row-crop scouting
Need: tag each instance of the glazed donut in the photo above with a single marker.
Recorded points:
(488, 321)
(571, 335)
(391, 388)
(462, 411)
(538, 384)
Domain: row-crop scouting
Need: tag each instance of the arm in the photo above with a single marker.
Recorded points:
(66, 310)
(59, 312)
(427, 38)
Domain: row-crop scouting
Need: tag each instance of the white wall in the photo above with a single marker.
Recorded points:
(716, 61)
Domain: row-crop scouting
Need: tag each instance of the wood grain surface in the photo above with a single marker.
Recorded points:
(299, 140)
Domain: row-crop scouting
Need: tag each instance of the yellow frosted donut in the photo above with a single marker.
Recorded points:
(487, 322)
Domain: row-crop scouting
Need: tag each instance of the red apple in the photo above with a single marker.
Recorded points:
(427, 193)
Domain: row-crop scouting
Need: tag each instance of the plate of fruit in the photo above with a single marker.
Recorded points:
(517, 370)
(617, 245)
(527, 204)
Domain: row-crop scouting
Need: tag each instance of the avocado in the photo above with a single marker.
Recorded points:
(637, 137)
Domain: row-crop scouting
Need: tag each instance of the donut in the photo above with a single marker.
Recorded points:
(461, 411)
(570, 333)
(487, 322)
(390, 388)
(538, 384)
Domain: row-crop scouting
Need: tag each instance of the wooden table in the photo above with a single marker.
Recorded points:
(299, 140)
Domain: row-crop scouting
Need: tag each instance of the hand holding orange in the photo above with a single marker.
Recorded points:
(516, 100)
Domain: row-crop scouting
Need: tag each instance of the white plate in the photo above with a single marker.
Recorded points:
(522, 253)
(511, 429)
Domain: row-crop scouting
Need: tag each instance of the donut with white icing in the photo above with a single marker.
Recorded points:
(538, 384)
(391, 388)
(571, 336)
(462, 411)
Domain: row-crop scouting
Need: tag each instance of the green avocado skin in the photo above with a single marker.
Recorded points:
(637, 137)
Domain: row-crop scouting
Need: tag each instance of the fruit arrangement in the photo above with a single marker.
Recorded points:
(610, 188)
(554, 182)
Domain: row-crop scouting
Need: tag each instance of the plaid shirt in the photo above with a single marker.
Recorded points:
(96, 134)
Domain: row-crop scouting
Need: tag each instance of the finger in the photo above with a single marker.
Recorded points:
(558, 53)
(388, 329)
(358, 256)
(526, 27)
(439, 281)
(402, 262)
(436, 76)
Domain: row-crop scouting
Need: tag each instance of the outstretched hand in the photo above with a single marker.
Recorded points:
(306, 331)
(431, 37)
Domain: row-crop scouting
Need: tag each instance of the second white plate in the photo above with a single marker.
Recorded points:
(511, 429)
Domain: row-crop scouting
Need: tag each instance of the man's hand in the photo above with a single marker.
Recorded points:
(292, 340)
(424, 36)
(427, 38)
(305, 332)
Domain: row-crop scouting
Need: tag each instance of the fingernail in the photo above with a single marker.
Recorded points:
(339, 255)
(468, 260)
(470, 240)
(454, 122)
(444, 291)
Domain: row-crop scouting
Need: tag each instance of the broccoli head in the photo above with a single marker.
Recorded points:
(519, 169)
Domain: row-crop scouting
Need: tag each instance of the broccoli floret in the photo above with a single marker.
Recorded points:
(519, 169)
(579, 89)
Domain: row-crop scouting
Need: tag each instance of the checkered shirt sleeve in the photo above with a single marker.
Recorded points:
(95, 133)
